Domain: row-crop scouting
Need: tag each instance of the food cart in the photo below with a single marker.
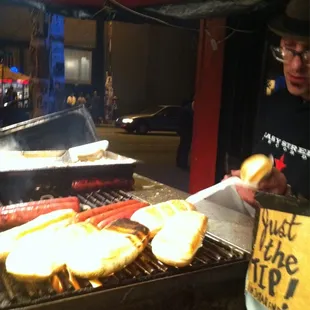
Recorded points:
(27, 182)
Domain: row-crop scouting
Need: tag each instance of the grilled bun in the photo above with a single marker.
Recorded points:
(38, 255)
(9, 237)
(91, 156)
(88, 152)
(177, 243)
(155, 216)
(95, 254)
(255, 168)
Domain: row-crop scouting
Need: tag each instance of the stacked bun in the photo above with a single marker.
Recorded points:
(154, 217)
(177, 243)
(177, 230)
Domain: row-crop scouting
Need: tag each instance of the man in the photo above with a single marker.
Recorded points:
(81, 99)
(283, 126)
(71, 100)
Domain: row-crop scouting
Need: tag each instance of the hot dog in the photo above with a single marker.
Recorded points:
(83, 216)
(37, 203)
(18, 214)
(95, 220)
(125, 213)
(84, 185)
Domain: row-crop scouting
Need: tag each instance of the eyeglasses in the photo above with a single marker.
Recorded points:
(286, 55)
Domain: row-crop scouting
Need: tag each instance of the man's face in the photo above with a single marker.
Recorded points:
(296, 70)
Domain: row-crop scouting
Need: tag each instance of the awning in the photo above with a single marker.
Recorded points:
(164, 9)
(7, 76)
(98, 3)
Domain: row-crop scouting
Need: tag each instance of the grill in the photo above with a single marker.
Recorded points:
(215, 262)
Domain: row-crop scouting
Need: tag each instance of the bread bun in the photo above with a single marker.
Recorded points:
(155, 216)
(38, 255)
(255, 168)
(96, 254)
(177, 243)
(10, 237)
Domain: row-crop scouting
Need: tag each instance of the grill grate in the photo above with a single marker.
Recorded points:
(14, 294)
(100, 198)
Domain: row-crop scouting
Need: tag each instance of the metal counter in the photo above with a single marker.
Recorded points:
(238, 231)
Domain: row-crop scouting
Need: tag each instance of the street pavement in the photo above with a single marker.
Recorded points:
(156, 151)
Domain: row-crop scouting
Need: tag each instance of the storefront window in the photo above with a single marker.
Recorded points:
(78, 66)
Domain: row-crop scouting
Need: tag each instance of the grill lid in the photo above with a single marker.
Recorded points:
(56, 131)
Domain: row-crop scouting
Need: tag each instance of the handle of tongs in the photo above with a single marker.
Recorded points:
(205, 193)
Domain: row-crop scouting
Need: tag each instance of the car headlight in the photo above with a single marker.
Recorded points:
(127, 120)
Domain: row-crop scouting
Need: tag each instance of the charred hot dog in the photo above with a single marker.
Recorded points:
(84, 185)
(83, 216)
(95, 220)
(124, 213)
(21, 213)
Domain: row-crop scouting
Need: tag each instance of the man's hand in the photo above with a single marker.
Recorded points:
(275, 183)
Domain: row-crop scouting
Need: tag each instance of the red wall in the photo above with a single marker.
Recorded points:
(207, 105)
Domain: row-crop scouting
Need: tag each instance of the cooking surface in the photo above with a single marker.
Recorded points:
(239, 234)
(146, 268)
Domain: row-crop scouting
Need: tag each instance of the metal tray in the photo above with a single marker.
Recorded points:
(23, 161)
(16, 182)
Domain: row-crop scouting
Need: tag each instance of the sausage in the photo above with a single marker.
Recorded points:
(83, 185)
(83, 216)
(95, 220)
(18, 214)
(41, 202)
(93, 184)
(121, 214)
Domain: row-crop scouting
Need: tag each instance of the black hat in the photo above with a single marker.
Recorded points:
(294, 23)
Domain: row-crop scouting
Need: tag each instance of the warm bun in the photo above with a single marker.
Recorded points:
(177, 243)
(255, 168)
(155, 216)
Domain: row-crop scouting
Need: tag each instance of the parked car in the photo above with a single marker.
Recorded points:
(160, 118)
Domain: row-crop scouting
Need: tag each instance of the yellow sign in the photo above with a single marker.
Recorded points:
(279, 271)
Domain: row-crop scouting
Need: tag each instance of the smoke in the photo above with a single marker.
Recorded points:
(13, 188)
(9, 144)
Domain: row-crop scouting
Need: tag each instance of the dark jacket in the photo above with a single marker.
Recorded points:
(283, 131)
